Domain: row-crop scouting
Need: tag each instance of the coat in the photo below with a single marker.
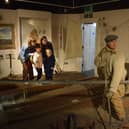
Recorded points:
(37, 59)
(111, 63)
(49, 63)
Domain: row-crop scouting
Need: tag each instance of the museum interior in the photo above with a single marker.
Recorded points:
(71, 98)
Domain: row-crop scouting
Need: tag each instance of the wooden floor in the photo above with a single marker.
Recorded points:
(49, 107)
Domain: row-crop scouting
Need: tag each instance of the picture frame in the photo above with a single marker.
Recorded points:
(33, 28)
(7, 38)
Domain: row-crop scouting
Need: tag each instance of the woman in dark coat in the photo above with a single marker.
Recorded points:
(44, 45)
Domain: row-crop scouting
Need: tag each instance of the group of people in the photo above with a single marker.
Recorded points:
(37, 54)
(111, 68)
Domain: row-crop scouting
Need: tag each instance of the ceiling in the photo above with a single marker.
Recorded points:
(65, 6)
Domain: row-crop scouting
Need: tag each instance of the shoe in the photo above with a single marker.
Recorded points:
(102, 114)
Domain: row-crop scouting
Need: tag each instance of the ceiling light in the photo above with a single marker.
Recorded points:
(7, 1)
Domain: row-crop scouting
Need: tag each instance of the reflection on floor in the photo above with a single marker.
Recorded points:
(53, 106)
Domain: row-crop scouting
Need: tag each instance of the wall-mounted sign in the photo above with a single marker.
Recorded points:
(88, 11)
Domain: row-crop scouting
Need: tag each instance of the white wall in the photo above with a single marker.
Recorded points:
(8, 17)
(108, 22)
(68, 57)
(12, 17)
(116, 22)
(118, 19)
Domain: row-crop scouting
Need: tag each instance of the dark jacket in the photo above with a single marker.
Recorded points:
(28, 51)
(46, 46)
(49, 63)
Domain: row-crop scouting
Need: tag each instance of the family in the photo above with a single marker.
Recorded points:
(37, 54)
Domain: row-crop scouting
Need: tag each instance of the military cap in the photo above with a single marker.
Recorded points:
(110, 38)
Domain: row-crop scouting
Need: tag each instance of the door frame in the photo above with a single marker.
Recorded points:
(98, 37)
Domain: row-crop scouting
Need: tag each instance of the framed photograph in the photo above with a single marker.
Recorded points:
(33, 28)
(7, 36)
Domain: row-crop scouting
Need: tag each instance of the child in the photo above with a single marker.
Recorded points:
(37, 60)
(49, 63)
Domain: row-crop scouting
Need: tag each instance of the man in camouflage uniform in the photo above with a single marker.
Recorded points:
(111, 67)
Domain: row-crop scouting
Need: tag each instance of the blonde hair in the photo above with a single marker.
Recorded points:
(30, 42)
(49, 51)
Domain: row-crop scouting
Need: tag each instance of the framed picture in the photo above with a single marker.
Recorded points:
(7, 36)
(33, 28)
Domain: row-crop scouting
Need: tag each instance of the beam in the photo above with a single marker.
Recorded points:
(44, 3)
(26, 91)
(97, 3)
(65, 82)
(46, 95)
(65, 6)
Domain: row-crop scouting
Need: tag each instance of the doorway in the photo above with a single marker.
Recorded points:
(89, 46)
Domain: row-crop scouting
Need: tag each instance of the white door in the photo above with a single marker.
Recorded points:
(89, 41)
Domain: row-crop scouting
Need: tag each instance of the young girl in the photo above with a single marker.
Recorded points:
(49, 63)
(37, 60)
